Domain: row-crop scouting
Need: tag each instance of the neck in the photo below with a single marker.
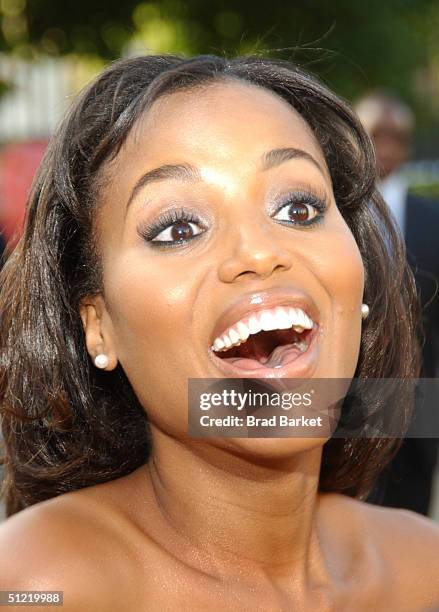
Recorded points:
(258, 517)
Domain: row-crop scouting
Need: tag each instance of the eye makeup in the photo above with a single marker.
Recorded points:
(178, 226)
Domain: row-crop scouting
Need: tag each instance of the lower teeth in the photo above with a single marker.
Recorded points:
(302, 346)
(275, 358)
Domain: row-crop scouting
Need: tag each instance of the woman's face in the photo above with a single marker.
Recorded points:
(257, 238)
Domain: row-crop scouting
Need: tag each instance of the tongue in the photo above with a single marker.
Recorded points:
(274, 360)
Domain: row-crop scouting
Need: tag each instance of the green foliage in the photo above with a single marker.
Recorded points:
(353, 46)
(3, 88)
(430, 191)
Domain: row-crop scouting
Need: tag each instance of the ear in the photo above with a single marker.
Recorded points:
(98, 328)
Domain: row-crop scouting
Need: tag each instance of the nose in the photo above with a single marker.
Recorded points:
(257, 253)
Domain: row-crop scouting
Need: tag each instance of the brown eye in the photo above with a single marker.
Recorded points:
(175, 227)
(180, 230)
(296, 212)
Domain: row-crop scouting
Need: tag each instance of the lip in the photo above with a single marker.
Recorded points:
(256, 301)
(302, 366)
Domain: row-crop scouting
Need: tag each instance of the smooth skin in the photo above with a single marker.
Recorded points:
(219, 524)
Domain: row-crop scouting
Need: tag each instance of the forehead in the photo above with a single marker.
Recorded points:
(219, 121)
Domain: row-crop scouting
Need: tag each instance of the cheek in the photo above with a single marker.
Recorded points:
(340, 270)
(150, 307)
(343, 276)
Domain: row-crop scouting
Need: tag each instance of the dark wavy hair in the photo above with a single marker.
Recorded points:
(68, 425)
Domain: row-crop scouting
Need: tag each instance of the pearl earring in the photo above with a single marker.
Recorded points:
(364, 311)
(101, 361)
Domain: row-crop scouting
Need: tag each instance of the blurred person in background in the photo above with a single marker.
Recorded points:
(390, 122)
(18, 164)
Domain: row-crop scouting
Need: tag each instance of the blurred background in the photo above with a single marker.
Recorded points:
(50, 49)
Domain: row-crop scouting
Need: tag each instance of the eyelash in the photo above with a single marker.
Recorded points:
(169, 218)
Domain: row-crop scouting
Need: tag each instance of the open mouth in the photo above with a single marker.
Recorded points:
(270, 349)
(266, 341)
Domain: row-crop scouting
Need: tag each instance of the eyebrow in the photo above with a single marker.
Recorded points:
(189, 173)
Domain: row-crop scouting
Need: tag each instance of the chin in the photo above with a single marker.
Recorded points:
(272, 448)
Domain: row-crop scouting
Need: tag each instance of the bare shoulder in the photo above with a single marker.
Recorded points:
(403, 532)
(405, 546)
(409, 545)
(70, 543)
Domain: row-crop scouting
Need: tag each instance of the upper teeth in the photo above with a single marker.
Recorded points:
(280, 317)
